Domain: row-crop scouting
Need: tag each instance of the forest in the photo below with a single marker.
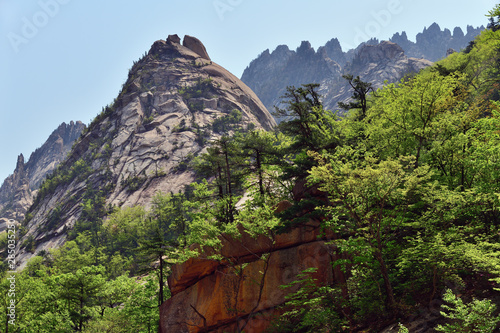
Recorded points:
(411, 184)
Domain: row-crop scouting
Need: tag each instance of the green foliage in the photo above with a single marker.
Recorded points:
(203, 88)
(224, 124)
(310, 308)
(359, 97)
(61, 176)
(309, 126)
(403, 329)
(133, 182)
(476, 316)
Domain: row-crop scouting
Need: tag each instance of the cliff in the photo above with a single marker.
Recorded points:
(242, 292)
(376, 64)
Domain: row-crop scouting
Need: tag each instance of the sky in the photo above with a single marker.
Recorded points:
(63, 60)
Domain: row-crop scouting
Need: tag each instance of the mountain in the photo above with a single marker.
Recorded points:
(433, 43)
(18, 190)
(174, 102)
(271, 72)
(379, 63)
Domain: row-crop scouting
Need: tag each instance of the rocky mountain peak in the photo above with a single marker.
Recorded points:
(305, 49)
(196, 46)
(334, 51)
(18, 190)
(174, 102)
(270, 73)
(20, 163)
(432, 43)
(384, 52)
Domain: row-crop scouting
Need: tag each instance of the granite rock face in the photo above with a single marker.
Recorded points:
(196, 46)
(18, 190)
(142, 144)
(242, 292)
(271, 73)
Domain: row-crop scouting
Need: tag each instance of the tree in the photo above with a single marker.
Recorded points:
(369, 202)
(311, 128)
(407, 119)
(163, 232)
(476, 316)
(359, 96)
(224, 163)
(259, 151)
(494, 18)
(80, 290)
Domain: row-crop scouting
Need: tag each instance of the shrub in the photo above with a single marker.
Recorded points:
(476, 316)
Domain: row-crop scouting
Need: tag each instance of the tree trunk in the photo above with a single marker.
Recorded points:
(160, 296)
(390, 301)
(259, 169)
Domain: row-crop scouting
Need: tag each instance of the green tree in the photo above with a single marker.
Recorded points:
(80, 290)
(224, 163)
(258, 148)
(370, 199)
(407, 119)
(476, 316)
(163, 232)
(359, 96)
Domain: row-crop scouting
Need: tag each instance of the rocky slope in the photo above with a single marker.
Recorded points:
(171, 106)
(18, 190)
(271, 72)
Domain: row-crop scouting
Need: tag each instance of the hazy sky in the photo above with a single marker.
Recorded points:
(63, 60)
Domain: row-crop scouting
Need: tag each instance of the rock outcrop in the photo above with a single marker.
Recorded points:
(143, 143)
(270, 73)
(18, 190)
(242, 292)
(195, 45)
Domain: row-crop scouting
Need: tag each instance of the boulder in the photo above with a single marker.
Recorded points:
(195, 45)
(174, 39)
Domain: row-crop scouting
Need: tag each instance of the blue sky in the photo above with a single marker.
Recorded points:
(63, 60)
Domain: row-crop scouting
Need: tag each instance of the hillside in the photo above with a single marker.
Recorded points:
(392, 225)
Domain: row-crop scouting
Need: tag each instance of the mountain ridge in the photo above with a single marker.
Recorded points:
(271, 72)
